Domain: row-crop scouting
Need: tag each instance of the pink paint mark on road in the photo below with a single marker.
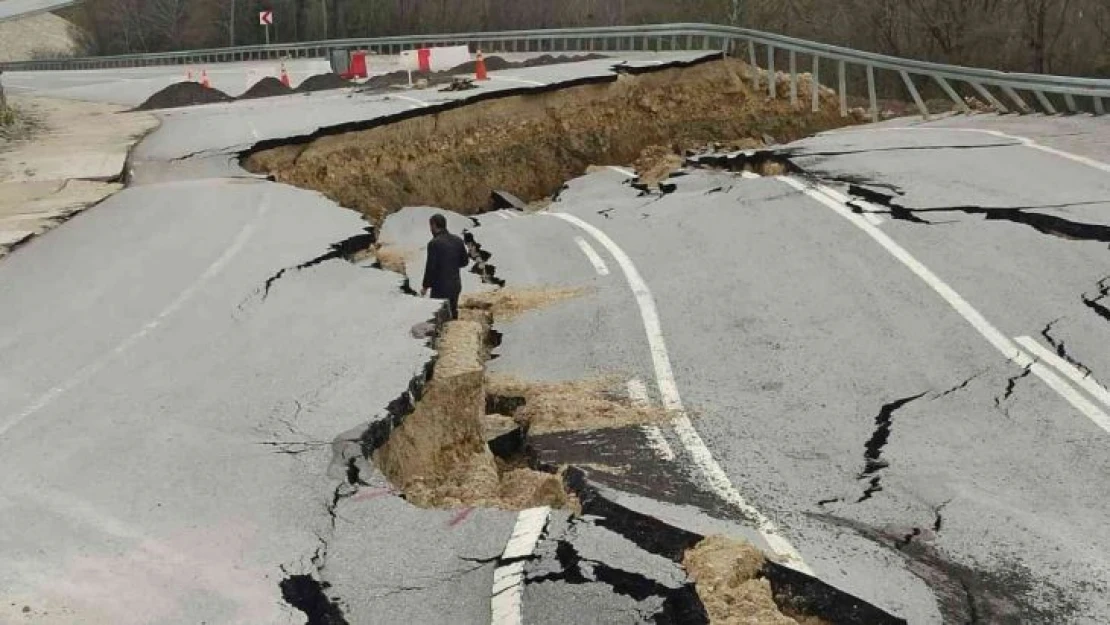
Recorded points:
(460, 516)
(371, 493)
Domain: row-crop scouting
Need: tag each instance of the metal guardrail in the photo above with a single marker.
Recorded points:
(1049, 94)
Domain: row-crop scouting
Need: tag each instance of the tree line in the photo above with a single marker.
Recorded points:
(1044, 36)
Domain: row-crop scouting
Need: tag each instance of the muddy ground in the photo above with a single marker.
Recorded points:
(531, 144)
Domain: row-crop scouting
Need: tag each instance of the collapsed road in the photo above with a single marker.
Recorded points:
(241, 427)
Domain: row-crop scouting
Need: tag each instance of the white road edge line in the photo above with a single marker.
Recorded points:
(506, 599)
(637, 392)
(839, 197)
(595, 259)
(94, 367)
(961, 306)
(502, 215)
(623, 171)
(1086, 382)
(414, 100)
(749, 175)
(715, 477)
(1026, 141)
(520, 80)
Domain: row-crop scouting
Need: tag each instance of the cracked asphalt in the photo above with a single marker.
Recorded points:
(187, 373)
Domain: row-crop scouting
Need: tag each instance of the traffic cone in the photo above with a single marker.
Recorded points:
(480, 67)
(285, 76)
(204, 82)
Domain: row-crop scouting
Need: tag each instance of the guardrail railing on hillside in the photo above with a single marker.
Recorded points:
(1002, 91)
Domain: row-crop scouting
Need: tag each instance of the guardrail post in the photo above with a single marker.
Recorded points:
(1045, 103)
(793, 78)
(1099, 109)
(674, 42)
(952, 95)
(755, 64)
(771, 79)
(705, 42)
(913, 93)
(1069, 101)
(1013, 95)
(842, 71)
(815, 87)
(871, 93)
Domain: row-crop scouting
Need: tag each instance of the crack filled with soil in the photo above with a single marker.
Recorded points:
(528, 142)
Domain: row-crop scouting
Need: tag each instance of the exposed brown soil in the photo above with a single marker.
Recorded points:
(439, 457)
(529, 145)
(656, 164)
(572, 406)
(321, 82)
(183, 94)
(268, 87)
(726, 576)
(391, 257)
(507, 303)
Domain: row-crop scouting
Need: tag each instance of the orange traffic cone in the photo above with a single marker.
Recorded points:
(480, 67)
(204, 82)
(285, 76)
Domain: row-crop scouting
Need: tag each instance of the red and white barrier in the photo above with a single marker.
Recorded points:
(434, 59)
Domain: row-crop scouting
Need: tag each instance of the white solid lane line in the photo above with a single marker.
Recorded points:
(623, 171)
(637, 392)
(712, 473)
(957, 302)
(520, 80)
(1086, 382)
(839, 197)
(595, 258)
(506, 601)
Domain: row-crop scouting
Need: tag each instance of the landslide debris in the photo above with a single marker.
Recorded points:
(441, 454)
(581, 405)
(727, 575)
(509, 302)
(530, 144)
(321, 82)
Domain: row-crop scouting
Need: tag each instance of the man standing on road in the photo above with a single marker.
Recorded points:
(446, 256)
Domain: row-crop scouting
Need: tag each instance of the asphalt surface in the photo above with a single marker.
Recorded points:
(186, 369)
(815, 362)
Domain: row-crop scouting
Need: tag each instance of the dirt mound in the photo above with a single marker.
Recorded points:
(268, 87)
(530, 144)
(547, 59)
(183, 94)
(322, 82)
(726, 574)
